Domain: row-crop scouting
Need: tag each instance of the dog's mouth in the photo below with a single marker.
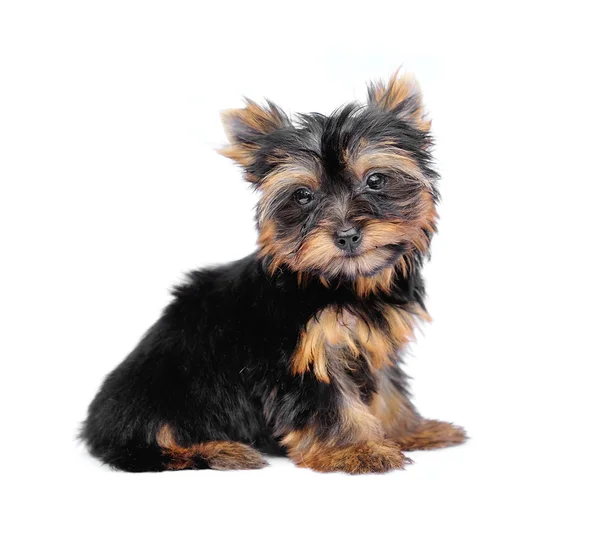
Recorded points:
(399, 248)
(366, 263)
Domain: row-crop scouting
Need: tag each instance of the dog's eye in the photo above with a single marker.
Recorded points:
(376, 181)
(303, 196)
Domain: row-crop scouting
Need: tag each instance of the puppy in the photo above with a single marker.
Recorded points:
(295, 349)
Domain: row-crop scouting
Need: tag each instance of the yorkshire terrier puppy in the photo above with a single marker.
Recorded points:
(295, 349)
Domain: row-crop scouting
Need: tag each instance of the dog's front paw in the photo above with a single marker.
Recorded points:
(365, 458)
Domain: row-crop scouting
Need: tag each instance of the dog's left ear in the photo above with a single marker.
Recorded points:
(402, 97)
(246, 128)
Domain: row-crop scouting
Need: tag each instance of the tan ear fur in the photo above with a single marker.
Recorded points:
(402, 96)
(245, 127)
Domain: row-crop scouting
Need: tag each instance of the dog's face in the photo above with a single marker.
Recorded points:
(344, 196)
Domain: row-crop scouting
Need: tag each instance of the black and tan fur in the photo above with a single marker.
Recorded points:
(296, 348)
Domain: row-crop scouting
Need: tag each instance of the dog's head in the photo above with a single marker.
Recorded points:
(344, 196)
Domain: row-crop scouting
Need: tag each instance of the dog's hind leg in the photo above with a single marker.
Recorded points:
(163, 452)
(216, 455)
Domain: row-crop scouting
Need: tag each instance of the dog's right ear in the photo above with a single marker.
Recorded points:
(246, 128)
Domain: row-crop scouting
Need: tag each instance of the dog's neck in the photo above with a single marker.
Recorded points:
(399, 282)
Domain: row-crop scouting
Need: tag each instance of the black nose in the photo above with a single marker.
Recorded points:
(348, 239)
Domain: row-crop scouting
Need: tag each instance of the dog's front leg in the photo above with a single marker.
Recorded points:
(373, 456)
(337, 432)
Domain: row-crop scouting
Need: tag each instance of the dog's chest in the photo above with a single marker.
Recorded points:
(337, 340)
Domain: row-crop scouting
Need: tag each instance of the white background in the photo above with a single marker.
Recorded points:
(111, 189)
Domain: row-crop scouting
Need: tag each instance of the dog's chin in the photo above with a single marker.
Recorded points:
(365, 264)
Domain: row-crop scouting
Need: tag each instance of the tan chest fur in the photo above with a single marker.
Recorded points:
(335, 334)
